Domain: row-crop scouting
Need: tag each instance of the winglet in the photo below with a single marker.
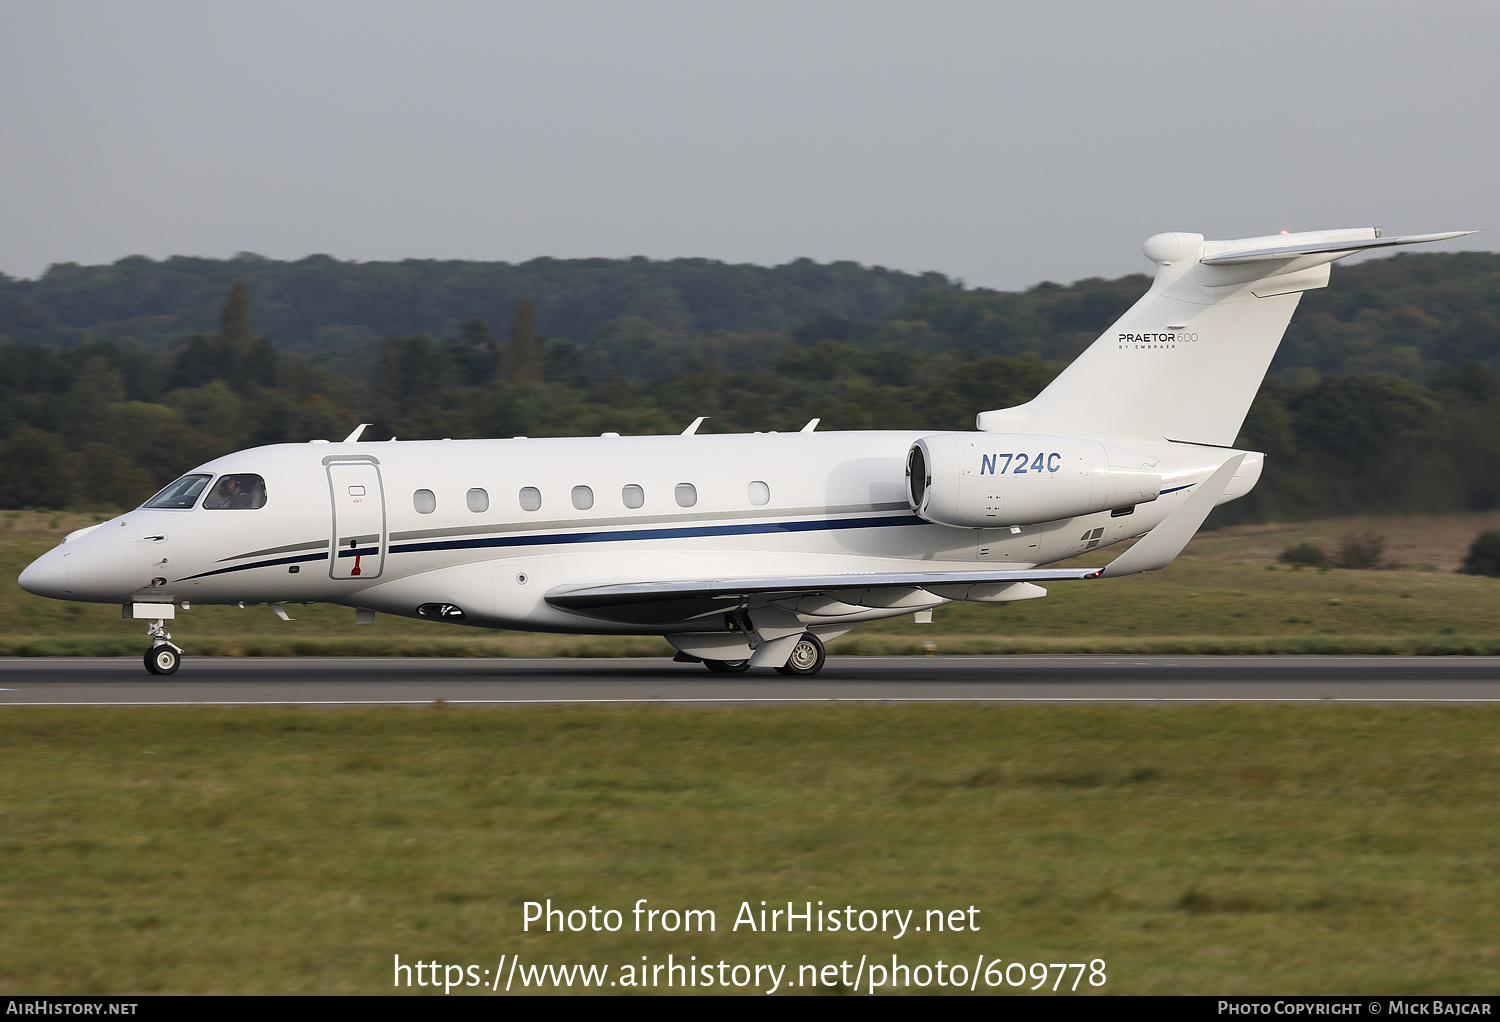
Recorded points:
(812, 424)
(352, 437)
(1162, 544)
(694, 427)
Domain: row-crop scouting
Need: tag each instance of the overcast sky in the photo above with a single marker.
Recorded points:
(1003, 143)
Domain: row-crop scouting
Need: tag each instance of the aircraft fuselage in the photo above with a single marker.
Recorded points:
(409, 527)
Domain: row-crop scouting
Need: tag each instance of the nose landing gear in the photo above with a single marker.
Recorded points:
(164, 656)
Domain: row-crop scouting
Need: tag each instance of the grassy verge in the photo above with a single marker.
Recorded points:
(1200, 604)
(1226, 849)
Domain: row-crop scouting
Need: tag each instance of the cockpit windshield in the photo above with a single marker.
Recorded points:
(181, 494)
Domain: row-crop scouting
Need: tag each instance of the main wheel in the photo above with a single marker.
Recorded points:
(807, 657)
(162, 660)
(727, 666)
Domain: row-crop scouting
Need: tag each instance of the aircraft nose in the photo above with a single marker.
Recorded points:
(47, 575)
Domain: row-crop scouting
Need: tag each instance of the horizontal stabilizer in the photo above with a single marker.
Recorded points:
(1315, 248)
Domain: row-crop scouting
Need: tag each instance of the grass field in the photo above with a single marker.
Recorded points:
(1228, 849)
(1226, 594)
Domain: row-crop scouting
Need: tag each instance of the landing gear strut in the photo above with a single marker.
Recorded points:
(164, 656)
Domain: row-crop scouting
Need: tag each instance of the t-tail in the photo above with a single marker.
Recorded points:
(1186, 360)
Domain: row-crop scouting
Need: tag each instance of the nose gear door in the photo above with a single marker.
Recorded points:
(359, 532)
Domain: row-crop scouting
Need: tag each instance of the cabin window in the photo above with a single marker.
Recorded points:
(632, 495)
(760, 493)
(686, 494)
(583, 498)
(478, 500)
(238, 492)
(425, 501)
(531, 498)
(180, 495)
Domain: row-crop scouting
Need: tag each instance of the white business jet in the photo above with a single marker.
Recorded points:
(742, 550)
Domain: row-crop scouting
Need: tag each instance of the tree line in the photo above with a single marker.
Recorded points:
(103, 423)
(319, 303)
(1406, 316)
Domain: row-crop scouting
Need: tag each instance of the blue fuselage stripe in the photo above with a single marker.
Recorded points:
(558, 539)
(695, 532)
(260, 564)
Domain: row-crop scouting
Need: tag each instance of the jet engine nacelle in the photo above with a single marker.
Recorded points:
(992, 480)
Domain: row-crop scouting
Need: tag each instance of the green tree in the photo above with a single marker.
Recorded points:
(107, 478)
(236, 355)
(414, 371)
(1484, 555)
(523, 354)
(1354, 417)
(35, 471)
(234, 321)
(476, 354)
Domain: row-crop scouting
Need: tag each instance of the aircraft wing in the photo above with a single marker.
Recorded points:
(680, 600)
(731, 591)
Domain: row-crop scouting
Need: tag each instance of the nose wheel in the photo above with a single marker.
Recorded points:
(163, 659)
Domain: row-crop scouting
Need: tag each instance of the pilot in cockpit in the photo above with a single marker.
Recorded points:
(231, 493)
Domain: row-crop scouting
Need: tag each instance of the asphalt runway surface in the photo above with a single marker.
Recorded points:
(349, 681)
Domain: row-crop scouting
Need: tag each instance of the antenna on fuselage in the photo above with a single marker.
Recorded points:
(352, 437)
(700, 420)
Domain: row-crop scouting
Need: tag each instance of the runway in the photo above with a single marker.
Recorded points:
(354, 681)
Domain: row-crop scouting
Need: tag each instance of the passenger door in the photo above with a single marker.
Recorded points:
(359, 532)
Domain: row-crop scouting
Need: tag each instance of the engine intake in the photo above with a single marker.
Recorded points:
(993, 480)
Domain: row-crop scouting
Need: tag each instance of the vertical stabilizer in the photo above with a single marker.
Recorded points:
(1186, 360)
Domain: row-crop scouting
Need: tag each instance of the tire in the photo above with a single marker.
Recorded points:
(806, 659)
(162, 660)
(727, 666)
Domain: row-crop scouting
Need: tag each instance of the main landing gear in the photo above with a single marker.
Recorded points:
(806, 660)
